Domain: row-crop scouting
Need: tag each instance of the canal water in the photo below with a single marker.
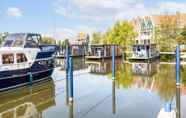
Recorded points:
(141, 90)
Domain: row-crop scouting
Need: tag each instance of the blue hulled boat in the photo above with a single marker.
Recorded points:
(23, 60)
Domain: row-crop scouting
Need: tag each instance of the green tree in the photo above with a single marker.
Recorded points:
(181, 39)
(122, 34)
(167, 32)
(1, 40)
(48, 40)
(96, 38)
(65, 42)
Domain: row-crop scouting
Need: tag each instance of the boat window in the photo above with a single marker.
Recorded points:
(31, 42)
(8, 58)
(18, 42)
(14, 40)
(8, 43)
(21, 58)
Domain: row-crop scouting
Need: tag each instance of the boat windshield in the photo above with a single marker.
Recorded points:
(14, 40)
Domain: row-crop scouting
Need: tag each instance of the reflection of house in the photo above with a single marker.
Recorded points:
(29, 102)
(100, 67)
(98, 51)
(144, 69)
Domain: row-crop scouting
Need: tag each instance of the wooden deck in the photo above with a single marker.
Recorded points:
(99, 57)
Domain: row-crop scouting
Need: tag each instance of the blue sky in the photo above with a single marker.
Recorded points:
(64, 18)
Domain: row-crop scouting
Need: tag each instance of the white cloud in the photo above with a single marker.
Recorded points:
(109, 10)
(94, 10)
(14, 11)
(62, 33)
(103, 11)
(172, 6)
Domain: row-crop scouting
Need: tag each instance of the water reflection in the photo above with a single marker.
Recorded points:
(71, 110)
(144, 69)
(27, 101)
(150, 81)
(178, 103)
(78, 64)
(150, 76)
(102, 67)
(113, 97)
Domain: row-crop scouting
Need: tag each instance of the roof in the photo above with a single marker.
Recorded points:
(157, 19)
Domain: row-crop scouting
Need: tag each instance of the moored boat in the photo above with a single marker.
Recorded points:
(24, 60)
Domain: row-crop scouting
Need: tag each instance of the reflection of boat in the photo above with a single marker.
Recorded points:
(23, 59)
(167, 111)
(164, 114)
(144, 69)
(29, 102)
(99, 67)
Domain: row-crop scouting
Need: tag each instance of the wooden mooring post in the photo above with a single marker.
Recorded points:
(113, 63)
(178, 65)
(69, 74)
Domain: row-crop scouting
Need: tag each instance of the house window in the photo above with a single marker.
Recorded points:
(136, 41)
(8, 58)
(145, 42)
(21, 58)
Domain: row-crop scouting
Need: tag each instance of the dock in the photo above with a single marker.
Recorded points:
(102, 51)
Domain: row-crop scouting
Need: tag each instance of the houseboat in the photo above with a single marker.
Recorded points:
(99, 51)
(78, 50)
(144, 52)
(24, 60)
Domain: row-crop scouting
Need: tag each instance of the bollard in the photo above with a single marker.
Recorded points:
(30, 78)
(113, 63)
(70, 78)
(177, 65)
